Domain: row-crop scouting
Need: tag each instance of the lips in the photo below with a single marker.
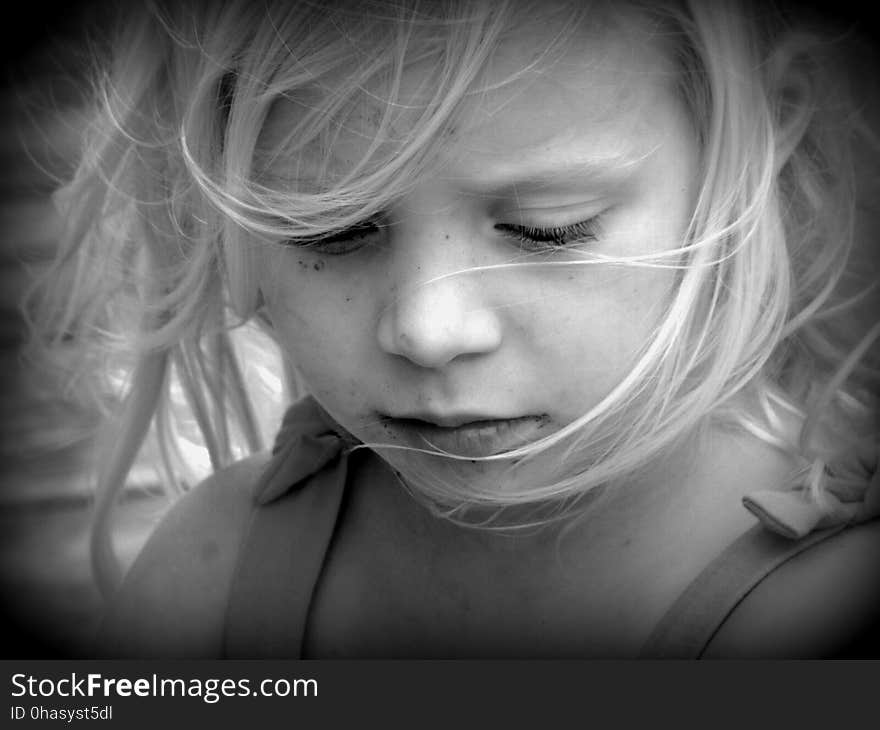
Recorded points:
(469, 438)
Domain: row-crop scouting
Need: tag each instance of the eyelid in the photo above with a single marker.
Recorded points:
(552, 216)
(348, 239)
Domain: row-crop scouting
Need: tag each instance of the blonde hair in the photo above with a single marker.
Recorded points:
(156, 271)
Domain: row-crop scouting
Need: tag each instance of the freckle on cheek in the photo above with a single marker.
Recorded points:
(318, 265)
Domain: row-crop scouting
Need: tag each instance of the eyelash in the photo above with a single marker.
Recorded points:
(555, 237)
(343, 242)
(529, 237)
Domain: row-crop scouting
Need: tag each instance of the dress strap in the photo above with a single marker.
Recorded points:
(790, 522)
(296, 505)
(689, 625)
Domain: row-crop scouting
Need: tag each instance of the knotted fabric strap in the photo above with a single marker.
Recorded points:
(793, 514)
(296, 505)
(789, 523)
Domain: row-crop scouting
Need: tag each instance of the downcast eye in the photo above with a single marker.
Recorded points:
(342, 242)
(542, 239)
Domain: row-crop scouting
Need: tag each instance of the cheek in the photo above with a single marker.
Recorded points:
(604, 324)
(638, 308)
(315, 316)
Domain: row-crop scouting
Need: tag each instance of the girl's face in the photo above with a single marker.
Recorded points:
(402, 344)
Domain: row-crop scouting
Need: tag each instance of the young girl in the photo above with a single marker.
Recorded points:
(569, 293)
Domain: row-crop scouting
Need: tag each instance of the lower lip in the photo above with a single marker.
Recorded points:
(481, 438)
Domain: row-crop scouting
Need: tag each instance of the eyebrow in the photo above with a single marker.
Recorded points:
(541, 176)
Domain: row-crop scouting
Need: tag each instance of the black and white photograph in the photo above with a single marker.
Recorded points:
(454, 330)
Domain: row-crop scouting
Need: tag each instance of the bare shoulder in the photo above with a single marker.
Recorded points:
(825, 602)
(172, 602)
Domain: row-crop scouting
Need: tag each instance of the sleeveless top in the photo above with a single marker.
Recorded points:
(298, 499)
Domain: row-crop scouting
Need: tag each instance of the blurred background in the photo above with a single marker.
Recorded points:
(49, 603)
(50, 606)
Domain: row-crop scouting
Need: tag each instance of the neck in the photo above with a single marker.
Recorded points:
(695, 488)
(606, 575)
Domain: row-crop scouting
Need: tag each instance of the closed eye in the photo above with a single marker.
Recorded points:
(534, 238)
(342, 242)
(554, 237)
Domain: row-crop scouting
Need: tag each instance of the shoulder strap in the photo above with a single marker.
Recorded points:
(787, 527)
(296, 506)
(279, 568)
(688, 626)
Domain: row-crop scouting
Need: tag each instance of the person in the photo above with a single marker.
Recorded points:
(568, 295)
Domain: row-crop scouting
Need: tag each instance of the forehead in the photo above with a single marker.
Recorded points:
(603, 93)
(606, 98)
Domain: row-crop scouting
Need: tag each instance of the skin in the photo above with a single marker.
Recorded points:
(392, 329)
(377, 331)
(383, 329)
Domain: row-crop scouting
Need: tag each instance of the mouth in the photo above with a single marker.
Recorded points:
(468, 436)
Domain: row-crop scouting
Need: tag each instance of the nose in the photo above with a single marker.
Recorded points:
(433, 322)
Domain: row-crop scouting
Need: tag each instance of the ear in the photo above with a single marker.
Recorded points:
(791, 89)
